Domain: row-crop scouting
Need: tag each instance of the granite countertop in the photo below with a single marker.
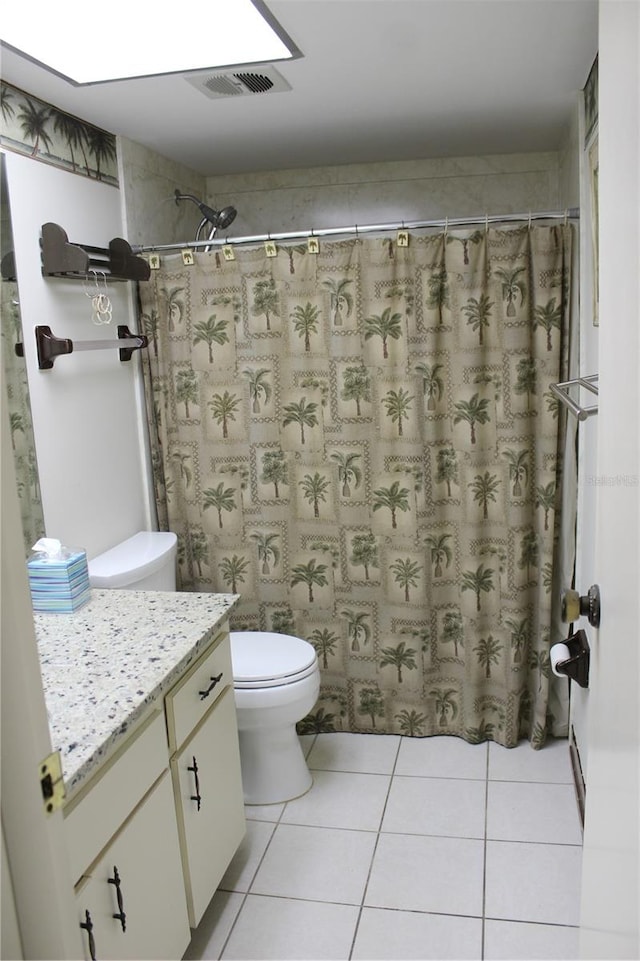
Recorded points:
(104, 666)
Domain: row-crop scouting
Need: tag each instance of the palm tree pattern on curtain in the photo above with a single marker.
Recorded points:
(362, 443)
(20, 423)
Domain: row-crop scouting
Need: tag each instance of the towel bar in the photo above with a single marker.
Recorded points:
(561, 391)
(49, 346)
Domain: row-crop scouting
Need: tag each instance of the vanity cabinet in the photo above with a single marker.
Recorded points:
(151, 834)
(205, 769)
(210, 807)
(131, 903)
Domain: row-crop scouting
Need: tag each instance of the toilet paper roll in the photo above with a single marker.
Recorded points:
(557, 654)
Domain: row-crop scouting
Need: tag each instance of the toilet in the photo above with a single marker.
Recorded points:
(276, 677)
(276, 680)
(144, 562)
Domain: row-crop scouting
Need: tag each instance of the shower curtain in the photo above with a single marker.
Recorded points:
(362, 443)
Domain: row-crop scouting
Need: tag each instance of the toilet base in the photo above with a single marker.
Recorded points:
(273, 766)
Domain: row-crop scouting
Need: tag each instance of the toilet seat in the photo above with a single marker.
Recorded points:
(261, 659)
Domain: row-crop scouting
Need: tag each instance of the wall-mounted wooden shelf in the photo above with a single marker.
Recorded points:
(60, 258)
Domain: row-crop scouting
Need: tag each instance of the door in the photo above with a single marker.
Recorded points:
(609, 914)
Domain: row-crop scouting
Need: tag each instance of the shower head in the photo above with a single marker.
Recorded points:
(220, 219)
(226, 216)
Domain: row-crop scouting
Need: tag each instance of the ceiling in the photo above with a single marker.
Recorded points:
(378, 80)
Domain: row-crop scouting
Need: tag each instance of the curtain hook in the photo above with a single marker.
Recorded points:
(529, 220)
(446, 226)
(486, 223)
(566, 216)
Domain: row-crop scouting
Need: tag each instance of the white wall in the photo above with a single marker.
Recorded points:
(86, 413)
(322, 197)
(148, 183)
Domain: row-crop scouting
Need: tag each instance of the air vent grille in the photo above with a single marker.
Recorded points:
(256, 82)
(222, 85)
(234, 83)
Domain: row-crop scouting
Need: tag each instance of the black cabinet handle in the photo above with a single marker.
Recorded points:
(120, 916)
(214, 681)
(87, 924)
(196, 797)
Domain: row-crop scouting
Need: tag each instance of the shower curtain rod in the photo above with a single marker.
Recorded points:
(571, 213)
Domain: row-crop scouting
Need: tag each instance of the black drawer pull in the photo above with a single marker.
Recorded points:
(214, 681)
(87, 924)
(121, 916)
(196, 797)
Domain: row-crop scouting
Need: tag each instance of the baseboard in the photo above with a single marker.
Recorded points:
(578, 777)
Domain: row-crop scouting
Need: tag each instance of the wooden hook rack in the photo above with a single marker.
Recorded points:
(49, 346)
(60, 258)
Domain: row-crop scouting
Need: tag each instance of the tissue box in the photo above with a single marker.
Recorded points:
(59, 585)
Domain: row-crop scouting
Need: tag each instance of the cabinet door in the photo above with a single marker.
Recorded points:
(143, 862)
(209, 802)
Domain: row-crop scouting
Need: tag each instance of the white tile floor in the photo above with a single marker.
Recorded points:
(407, 848)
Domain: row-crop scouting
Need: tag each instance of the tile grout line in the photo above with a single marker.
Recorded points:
(264, 853)
(392, 778)
(253, 877)
(373, 853)
(484, 855)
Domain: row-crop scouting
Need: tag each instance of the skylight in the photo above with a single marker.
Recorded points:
(127, 39)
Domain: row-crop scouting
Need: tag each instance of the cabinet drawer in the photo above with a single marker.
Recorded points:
(94, 816)
(188, 702)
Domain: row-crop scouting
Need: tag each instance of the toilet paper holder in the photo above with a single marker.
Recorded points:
(576, 666)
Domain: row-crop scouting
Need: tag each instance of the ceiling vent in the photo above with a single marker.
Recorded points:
(239, 83)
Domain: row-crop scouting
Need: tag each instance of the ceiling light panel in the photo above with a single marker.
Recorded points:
(133, 39)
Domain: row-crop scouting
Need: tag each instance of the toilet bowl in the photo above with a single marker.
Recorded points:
(276, 681)
(276, 677)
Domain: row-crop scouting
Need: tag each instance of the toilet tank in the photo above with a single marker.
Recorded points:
(144, 562)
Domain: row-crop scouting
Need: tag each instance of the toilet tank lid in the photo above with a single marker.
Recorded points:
(133, 559)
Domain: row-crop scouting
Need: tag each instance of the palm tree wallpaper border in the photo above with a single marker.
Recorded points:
(35, 128)
(362, 443)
